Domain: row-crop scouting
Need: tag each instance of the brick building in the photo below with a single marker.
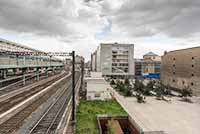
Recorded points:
(181, 68)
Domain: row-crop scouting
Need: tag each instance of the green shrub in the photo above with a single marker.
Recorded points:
(186, 92)
(140, 98)
(127, 91)
(127, 81)
(150, 85)
(112, 82)
(138, 86)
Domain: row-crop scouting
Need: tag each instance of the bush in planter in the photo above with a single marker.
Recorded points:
(112, 82)
(127, 91)
(185, 93)
(167, 90)
(146, 91)
(138, 86)
(126, 82)
(150, 85)
(140, 98)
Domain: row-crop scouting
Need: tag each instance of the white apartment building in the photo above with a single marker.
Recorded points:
(115, 60)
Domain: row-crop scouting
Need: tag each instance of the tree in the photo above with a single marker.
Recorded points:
(149, 87)
(112, 82)
(185, 93)
(118, 85)
(127, 91)
(139, 86)
(140, 98)
(127, 81)
(167, 90)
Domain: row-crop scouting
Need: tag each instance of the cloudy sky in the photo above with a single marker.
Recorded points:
(80, 25)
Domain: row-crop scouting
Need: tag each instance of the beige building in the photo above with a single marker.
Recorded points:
(152, 57)
(181, 68)
(114, 60)
(150, 64)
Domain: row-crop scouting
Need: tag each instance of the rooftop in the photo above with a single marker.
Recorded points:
(176, 117)
(116, 43)
(150, 54)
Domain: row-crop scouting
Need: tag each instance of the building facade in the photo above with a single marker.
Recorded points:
(97, 88)
(78, 60)
(152, 57)
(149, 66)
(181, 68)
(93, 61)
(115, 60)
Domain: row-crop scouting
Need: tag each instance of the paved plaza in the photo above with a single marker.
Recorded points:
(175, 117)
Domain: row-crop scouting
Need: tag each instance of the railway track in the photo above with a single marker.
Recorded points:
(19, 84)
(12, 101)
(48, 121)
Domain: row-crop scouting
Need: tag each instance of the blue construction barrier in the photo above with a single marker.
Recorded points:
(152, 76)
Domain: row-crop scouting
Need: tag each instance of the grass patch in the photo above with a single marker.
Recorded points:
(87, 112)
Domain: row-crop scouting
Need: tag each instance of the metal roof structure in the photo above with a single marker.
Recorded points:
(6, 45)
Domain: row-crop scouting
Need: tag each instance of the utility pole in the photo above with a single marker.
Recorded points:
(73, 86)
(82, 75)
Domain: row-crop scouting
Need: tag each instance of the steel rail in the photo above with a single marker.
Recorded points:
(48, 124)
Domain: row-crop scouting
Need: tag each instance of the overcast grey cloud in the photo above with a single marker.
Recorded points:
(75, 23)
(48, 17)
(175, 18)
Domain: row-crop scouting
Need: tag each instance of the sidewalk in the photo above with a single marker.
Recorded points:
(158, 117)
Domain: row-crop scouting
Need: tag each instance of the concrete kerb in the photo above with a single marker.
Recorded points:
(64, 123)
(19, 91)
(13, 111)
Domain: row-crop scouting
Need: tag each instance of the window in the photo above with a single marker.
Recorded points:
(173, 80)
(173, 65)
(97, 95)
(183, 82)
(174, 58)
(192, 65)
(114, 56)
(192, 83)
(192, 74)
(146, 69)
(192, 58)
(173, 72)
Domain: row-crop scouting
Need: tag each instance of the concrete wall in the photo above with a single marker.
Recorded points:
(181, 69)
(106, 59)
(94, 61)
(98, 59)
(97, 89)
(131, 60)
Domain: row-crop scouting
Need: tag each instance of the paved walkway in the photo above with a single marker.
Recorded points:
(176, 117)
